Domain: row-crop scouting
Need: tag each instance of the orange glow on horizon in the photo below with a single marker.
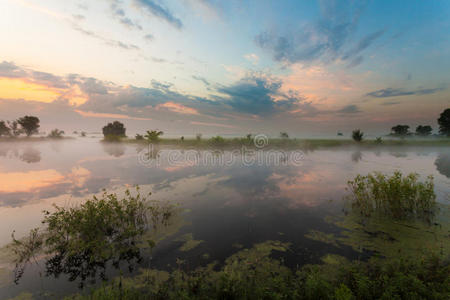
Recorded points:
(20, 89)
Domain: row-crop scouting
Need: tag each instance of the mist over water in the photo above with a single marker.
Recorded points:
(228, 205)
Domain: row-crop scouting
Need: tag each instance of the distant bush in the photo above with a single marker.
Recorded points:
(378, 140)
(217, 141)
(139, 137)
(112, 138)
(83, 134)
(397, 196)
(357, 135)
(400, 130)
(444, 122)
(114, 129)
(284, 135)
(198, 136)
(29, 124)
(56, 134)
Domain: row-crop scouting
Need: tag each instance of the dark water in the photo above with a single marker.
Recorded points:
(231, 201)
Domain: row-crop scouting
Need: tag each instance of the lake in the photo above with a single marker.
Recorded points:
(229, 200)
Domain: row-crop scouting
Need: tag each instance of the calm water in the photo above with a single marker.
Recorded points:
(226, 205)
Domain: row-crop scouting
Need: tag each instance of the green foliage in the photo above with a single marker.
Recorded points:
(423, 130)
(25, 251)
(379, 140)
(152, 136)
(198, 136)
(115, 128)
(56, 134)
(29, 124)
(400, 130)
(111, 138)
(80, 241)
(253, 274)
(139, 137)
(444, 122)
(15, 129)
(397, 196)
(357, 135)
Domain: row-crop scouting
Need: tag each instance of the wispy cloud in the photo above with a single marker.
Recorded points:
(392, 92)
(202, 79)
(159, 11)
(119, 13)
(105, 40)
(349, 109)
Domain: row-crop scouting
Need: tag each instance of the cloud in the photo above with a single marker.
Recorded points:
(349, 109)
(107, 41)
(390, 103)
(119, 14)
(206, 82)
(392, 92)
(355, 62)
(252, 57)
(149, 37)
(160, 12)
(178, 108)
(257, 95)
(212, 124)
(325, 39)
(10, 70)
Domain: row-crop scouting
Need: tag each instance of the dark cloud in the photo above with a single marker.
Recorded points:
(10, 70)
(257, 95)
(160, 12)
(325, 39)
(390, 103)
(202, 79)
(93, 86)
(48, 79)
(392, 92)
(349, 109)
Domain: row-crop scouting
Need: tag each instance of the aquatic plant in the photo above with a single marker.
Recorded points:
(79, 241)
(397, 196)
(253, 274)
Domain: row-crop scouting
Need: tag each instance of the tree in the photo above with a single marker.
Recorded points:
(4, 129)
(357, 135)
(284, 135)
(15, 129)
(400, 130)
(29, 124)
(153, 135)
(423, 130)
(115, 128)
(444, 122)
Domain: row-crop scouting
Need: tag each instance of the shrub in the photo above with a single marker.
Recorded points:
(198, 136)
(4, 130)
(152, 136)
(217, 141)
(80, 241)
(357, 135)
(139, 137)
(396, 196)
(378, 141)
(56, 134)
(284, 135)
(29, 124)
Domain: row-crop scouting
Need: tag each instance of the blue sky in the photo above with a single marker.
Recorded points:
(225, 67)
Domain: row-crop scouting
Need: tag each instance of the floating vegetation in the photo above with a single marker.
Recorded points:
(397, 196)
(253, 274)
(188, 242)
(79, 241)
(323, 237)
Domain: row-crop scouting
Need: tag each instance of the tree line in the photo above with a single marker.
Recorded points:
(27, 125)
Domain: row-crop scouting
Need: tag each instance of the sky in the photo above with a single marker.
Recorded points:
(311, 68)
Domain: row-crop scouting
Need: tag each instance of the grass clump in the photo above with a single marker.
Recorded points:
(396, 196)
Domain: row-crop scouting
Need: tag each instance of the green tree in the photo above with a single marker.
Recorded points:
(357, 135)
(152, 136)
(115, 128)
(400, 130)
(444, 122)
(4, 129)
(29, 124)
(423, 130)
